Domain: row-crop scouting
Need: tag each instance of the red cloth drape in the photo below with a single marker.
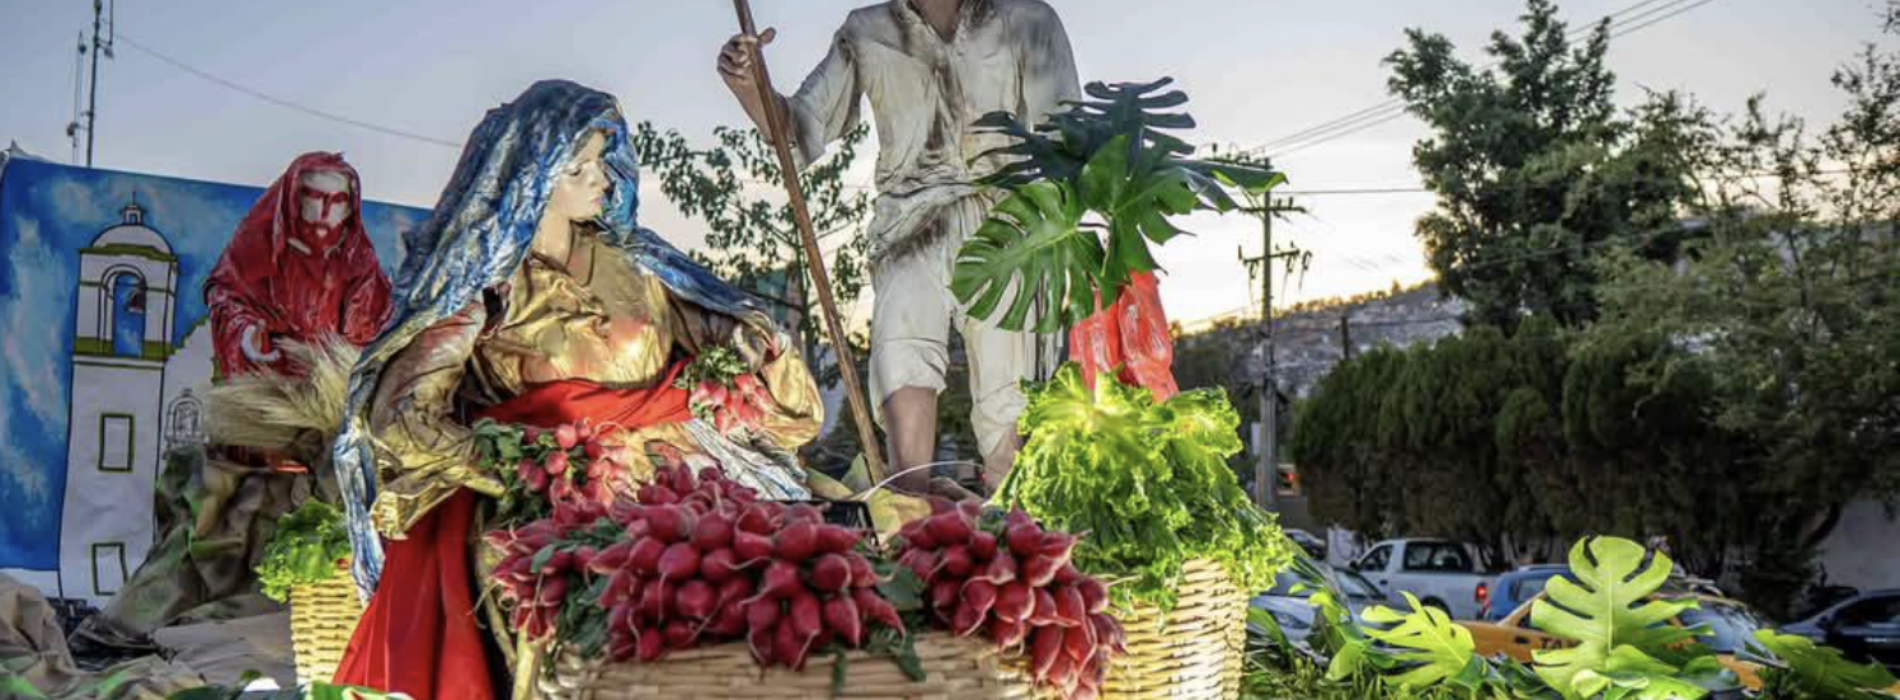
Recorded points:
(419, 635)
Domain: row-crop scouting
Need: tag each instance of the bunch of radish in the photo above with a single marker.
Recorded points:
(569, 462)
(1006, 577)
(701, 559)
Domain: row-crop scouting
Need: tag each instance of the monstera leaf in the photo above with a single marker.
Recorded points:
(1608, 618)
(1109, 154)
(1810, 671)
(1437, 649)
(1032, 247)
(1629, 674)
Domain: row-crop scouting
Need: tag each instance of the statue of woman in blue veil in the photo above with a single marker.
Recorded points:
(532, 296)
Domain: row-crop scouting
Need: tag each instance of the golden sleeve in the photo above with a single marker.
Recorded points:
(428, 453)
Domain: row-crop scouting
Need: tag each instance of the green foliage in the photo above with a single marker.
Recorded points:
(735, 188)
(1620, 635)
(1111, 156)
(305, 549)
(1435, 649)
(1536, 171)
(1807, 671)
(718, 364)
(1147, 481)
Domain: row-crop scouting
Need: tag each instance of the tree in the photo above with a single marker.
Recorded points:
(751, 238)
(1536, 171)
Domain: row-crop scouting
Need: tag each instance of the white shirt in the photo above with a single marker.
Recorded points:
(1006, 55)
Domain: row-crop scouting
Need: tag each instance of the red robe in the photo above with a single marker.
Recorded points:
(264, 280)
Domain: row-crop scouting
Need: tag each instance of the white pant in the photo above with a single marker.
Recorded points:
(911, 320)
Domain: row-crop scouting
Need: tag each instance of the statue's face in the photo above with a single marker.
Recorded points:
(581, 188)
(323, 204)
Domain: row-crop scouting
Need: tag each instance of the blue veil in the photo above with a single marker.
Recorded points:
(480, 233)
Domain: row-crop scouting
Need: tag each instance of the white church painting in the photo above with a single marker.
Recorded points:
(105, 356)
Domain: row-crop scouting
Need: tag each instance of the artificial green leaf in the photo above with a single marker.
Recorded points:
(304, 549)
(1435, 649)
(1033, 249)
(1819, 671)
(1605, 610)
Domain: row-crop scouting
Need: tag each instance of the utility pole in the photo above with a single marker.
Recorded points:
(1345, 335)
(100, 45)
(1266, 471)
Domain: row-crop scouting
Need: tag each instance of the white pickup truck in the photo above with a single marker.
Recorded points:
(1442, 573)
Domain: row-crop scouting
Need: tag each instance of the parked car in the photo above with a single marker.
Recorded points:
(1865, 627)
(1442, 573)
(1292, 607)
(1313, 546)
(1513, 588)
(1731, 624)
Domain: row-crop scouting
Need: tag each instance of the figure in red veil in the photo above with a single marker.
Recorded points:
(299, 267)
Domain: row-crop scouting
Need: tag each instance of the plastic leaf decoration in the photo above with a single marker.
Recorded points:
(1106, 154)
(1436, 649)
(1820, 672)
(1605, 611)
(1032, 242)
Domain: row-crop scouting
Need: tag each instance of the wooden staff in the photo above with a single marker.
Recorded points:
(779, 135)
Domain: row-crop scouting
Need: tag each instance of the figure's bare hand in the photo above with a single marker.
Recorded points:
(735, 59)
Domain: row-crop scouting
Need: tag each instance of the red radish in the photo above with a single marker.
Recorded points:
(1108, 632)
(667, 523)
(979, 595)
(756, 519)
(1057, 545)
(1062, 672)
(831, 573)
(966, 621)
(1067, 575)
(679, 562)
(1045, 645)
(730, 620)
(948, 528)
(922, 562)
(940, 505)
(862, 574)
(796, 542)
(622, 648)
(567, 436)
(1070, 611)
(611, 559)
(558, 563)
(787, 647)
(713, 531)
(918, 537)
(657, 495)
(762, 613)
(656, 601)
(1094, 594)
(645, 557)
(780, 581)
(1078, 645)
(759, 638)
(956, 561)
(679, 634)
(943, 593)
(733, 589)
(750, 548)
(806, 614)
(804, 513)
(1024, 540)
(553, 590)
(1039, 570)
(718, 566)
(877, 608)
(652, 644)
(837, 540)
(1007, 633)
(683, 481)
(971, 509)
(695, 599)
(982, 546)
(1000, 570)
(1044, 613)
(1014, 601)
(841, 614)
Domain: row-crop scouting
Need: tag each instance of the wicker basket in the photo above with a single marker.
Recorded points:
(323, 615)
(957, 669)
(1194, 651)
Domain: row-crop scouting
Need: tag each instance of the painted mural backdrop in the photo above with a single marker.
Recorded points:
(104, 356)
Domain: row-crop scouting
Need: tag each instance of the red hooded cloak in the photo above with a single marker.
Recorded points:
(277, 277)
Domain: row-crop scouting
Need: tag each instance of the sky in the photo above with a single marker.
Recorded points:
(1255, 70)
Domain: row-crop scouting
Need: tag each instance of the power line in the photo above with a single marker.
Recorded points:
(286, 103)
(1393, 108)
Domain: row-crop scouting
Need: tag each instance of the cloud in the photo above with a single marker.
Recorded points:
(30, 311)
(26, 478)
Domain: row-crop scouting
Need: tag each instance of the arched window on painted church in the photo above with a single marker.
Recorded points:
(128, 315)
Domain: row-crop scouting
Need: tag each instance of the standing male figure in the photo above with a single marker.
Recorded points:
(930, 68)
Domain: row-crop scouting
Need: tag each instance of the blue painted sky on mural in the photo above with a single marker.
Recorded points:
(47, 213)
